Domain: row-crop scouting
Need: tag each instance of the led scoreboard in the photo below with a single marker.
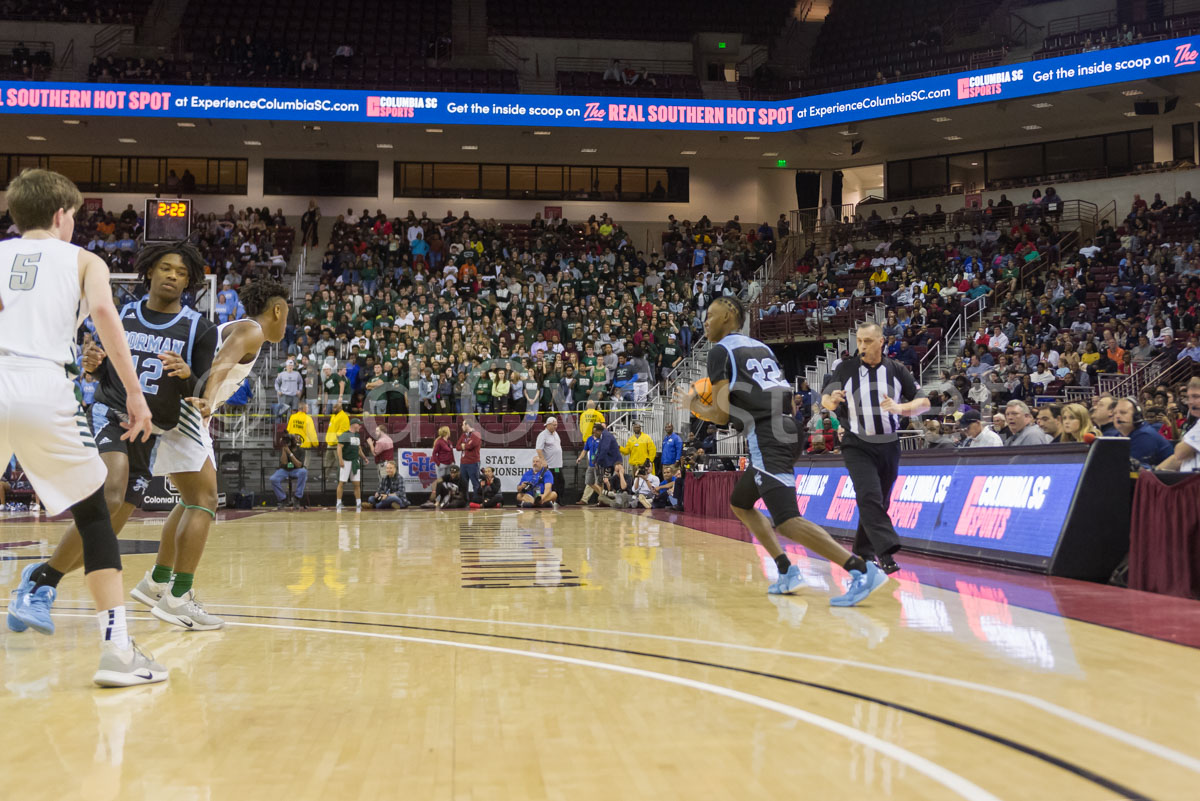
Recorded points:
(168, 220)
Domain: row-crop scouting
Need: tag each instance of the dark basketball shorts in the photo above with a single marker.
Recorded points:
(107, 431)
(771, 473)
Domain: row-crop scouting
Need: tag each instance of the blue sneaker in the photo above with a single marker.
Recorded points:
(861, 585)
(18, 594)
(787, 583)
(33, 609)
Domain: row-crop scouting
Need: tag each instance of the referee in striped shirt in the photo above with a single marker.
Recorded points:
(869, 393)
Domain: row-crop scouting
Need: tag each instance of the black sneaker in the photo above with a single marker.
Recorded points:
(887, 564)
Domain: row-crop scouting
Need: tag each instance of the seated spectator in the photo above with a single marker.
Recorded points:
(1146, 446)
(977, 435)
(1022, 431)
(291, 467)
(488, 496)
(451, 491)
(536, 488)
(1049, 420)
(645, 487)
(934, 437)
(391, 493)
(1077, 424)
(669, 491)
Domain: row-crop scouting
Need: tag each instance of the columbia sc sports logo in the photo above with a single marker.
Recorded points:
(987, 85)
(593, 113)
(398, 107)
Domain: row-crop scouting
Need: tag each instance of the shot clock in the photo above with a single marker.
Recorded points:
(168, 220)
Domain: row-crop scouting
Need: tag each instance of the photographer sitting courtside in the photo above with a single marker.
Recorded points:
(291, 466)
(536, 490)
(391, 494)
(488, 496)
(451, 490)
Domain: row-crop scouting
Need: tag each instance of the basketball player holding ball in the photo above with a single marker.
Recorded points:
(748, 390)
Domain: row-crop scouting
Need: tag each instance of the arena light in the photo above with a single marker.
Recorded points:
(36, 138)
(768, 155)
(1042, 105)
(687, 152)
(70, 122)
(252, 142)
(385, 145)
(1132, 92)
(541, 133)
(952, 138)
(1032, 127)
(752, 138)
(186, 124)
(470, 147)
(941, 119)
(587, 150)
(433, 130)
(125, 140)
(1134, 113)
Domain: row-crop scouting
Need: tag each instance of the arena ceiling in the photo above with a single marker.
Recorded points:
(998, 124)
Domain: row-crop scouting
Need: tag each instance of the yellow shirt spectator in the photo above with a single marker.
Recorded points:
(301, 424)
(639, 448)
(338, 424)
(588, 419)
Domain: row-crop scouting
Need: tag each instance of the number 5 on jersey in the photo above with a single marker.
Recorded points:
(24, 272)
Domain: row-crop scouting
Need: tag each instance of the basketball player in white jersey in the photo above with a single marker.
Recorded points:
(185, 453)
(47, 286)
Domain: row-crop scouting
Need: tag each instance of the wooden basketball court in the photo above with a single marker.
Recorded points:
(587, 654)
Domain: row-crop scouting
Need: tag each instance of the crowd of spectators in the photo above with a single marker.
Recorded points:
(1113, 303)
(413, 314)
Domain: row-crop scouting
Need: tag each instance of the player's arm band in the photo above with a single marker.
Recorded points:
(100, 548)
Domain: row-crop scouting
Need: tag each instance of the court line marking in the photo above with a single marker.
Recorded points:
(937, 773)
(1099, 727)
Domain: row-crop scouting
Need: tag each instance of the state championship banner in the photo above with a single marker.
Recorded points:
(419, 472)
(1025, 79)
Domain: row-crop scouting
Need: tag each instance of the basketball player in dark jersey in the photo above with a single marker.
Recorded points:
(750, 392)
(162, 335)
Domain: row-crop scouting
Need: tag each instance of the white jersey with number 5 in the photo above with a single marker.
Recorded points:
(43, 303)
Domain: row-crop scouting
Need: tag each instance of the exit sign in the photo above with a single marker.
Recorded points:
(721, 45)
(781, 163)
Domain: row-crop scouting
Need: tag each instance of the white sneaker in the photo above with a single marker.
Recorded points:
(186, 612)
(358, 506)
(120, 668)
(339, 507)
(34, 509)
(148, 591)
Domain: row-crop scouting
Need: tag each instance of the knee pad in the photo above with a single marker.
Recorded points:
(100, 548)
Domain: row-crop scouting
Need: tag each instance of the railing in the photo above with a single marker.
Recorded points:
(658, 66)
(504, 51)
(109, 38)
(1107, 212)
(1081, 22)
(971, 310)
(1120, 386)
(758, 56)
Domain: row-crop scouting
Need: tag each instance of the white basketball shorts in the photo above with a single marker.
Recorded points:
(185, 448)
(42, 422)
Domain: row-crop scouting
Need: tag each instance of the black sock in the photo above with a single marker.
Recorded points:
(45, 576)
(856, 563)
(783, 563)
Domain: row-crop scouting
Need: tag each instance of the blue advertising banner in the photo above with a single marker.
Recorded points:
(1007, 508)
(1065, 73)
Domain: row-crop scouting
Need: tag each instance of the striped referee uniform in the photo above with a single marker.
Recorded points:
(871, 444)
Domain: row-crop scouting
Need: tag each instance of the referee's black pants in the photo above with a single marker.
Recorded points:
(873, 468)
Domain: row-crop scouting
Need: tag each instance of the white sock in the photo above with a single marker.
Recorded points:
(113, 628)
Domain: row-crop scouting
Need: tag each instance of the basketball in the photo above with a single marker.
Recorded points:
(703, 388)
